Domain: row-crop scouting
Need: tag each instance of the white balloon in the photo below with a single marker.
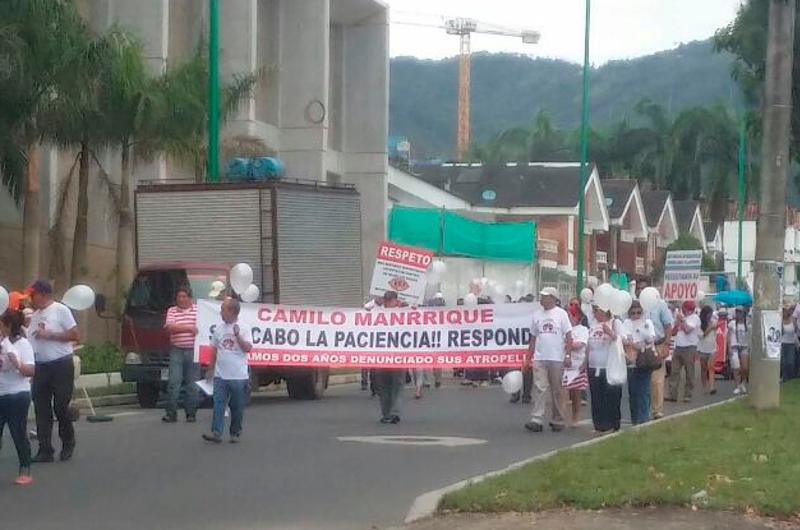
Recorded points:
(470, 299)
(701, 295)
(3, 299)
(241, 277)
(79, 297)
(649, 298)
(621, 303)
(604, 296)
(499, 290)
(251, 294)
(484, 281)
(439, 267)
(519, 284)
(512, 382)
(587, 295)
(476, 282)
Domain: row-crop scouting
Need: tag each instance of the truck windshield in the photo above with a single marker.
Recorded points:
(154, 291)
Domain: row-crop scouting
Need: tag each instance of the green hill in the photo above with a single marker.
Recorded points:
(508, 90)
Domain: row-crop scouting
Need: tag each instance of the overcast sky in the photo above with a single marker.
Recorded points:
(620, 28)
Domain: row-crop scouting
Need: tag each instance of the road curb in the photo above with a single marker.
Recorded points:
(425, 505)
(115, 400)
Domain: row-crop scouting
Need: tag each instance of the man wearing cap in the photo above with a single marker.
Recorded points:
(662, 320)
(52, 331)
(181, 324)
(550, 334)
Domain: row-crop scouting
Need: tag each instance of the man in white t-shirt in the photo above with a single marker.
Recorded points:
(687, 337)
(229, 371)
(52, 332)
(550, 334)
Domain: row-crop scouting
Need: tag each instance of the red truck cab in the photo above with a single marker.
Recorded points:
(145, 342)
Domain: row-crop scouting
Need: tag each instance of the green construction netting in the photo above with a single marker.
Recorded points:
(449, 234)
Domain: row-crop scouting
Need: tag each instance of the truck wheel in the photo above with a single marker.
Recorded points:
(147, 394)
(309, 385)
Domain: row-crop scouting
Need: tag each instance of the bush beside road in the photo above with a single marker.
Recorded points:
(729, 457)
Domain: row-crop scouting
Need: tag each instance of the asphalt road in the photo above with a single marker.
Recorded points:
(291, 470)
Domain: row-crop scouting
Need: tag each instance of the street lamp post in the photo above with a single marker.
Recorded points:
(213, 91)
(584, 151)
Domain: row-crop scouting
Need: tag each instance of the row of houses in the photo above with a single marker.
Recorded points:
(627, 228)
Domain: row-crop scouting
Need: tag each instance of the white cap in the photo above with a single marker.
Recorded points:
(216, 288)
(549, 291)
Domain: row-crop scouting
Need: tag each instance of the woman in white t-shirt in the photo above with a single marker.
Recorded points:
(575, 380)
(606, 398)
(639, 339)
(739, 340)
(16, 369)
(707, 348)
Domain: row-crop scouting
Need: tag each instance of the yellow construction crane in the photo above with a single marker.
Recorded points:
(464, 28)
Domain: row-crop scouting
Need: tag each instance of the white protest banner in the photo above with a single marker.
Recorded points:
(427, 337)
(402, 269)
(682, 275)
(772, 328)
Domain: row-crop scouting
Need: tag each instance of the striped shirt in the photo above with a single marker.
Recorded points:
(182, 317)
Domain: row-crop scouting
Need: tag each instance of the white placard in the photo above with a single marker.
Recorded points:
(682, 275)
(401, 269)
(772, 328)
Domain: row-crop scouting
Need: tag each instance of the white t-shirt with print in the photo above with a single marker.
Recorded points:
(683, 339)
(580, 334)
(600, 343)
(55, 318)
(11, 381)
(550, 327)
(231, 361)
(638, 331)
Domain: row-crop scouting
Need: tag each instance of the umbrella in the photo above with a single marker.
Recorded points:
(734, 298)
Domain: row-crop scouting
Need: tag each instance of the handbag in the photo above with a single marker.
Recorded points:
(648, 359)
(616, 366)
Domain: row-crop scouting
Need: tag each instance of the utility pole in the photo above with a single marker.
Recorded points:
(742, 155)
(775, 161)
(213, 91)
(584, 154)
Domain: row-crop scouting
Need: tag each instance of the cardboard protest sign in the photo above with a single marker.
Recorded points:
(682, 275)
(402, 269)
(429, 337)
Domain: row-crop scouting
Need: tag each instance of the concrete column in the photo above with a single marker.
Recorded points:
(149, 21)
(239, 47)
(365, 125)
(303, 73)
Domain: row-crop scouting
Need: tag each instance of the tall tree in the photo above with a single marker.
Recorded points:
(39, 43)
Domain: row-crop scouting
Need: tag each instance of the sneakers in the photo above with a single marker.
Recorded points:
(741, 389)
(555, 427)
(235, 438)
(212, 437)
(191, 418)
(526, 399)
(395, 419)
(534, 426)
(169, 418)
(24, 480)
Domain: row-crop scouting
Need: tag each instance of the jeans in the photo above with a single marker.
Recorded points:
(390, 387)
(233, 393)
(788, 361)
(53, 385)
(183, 372)
(606, 399)
(14, 412)
(639, 394)
(547, 376)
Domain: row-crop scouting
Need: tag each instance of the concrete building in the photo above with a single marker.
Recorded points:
(321, 105)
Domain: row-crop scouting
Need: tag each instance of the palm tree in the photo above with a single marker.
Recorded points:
(37, 46)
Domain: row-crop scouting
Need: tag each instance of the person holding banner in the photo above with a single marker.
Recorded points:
(228, 370)
(390, 381)
(181, 324)
(551, 337)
